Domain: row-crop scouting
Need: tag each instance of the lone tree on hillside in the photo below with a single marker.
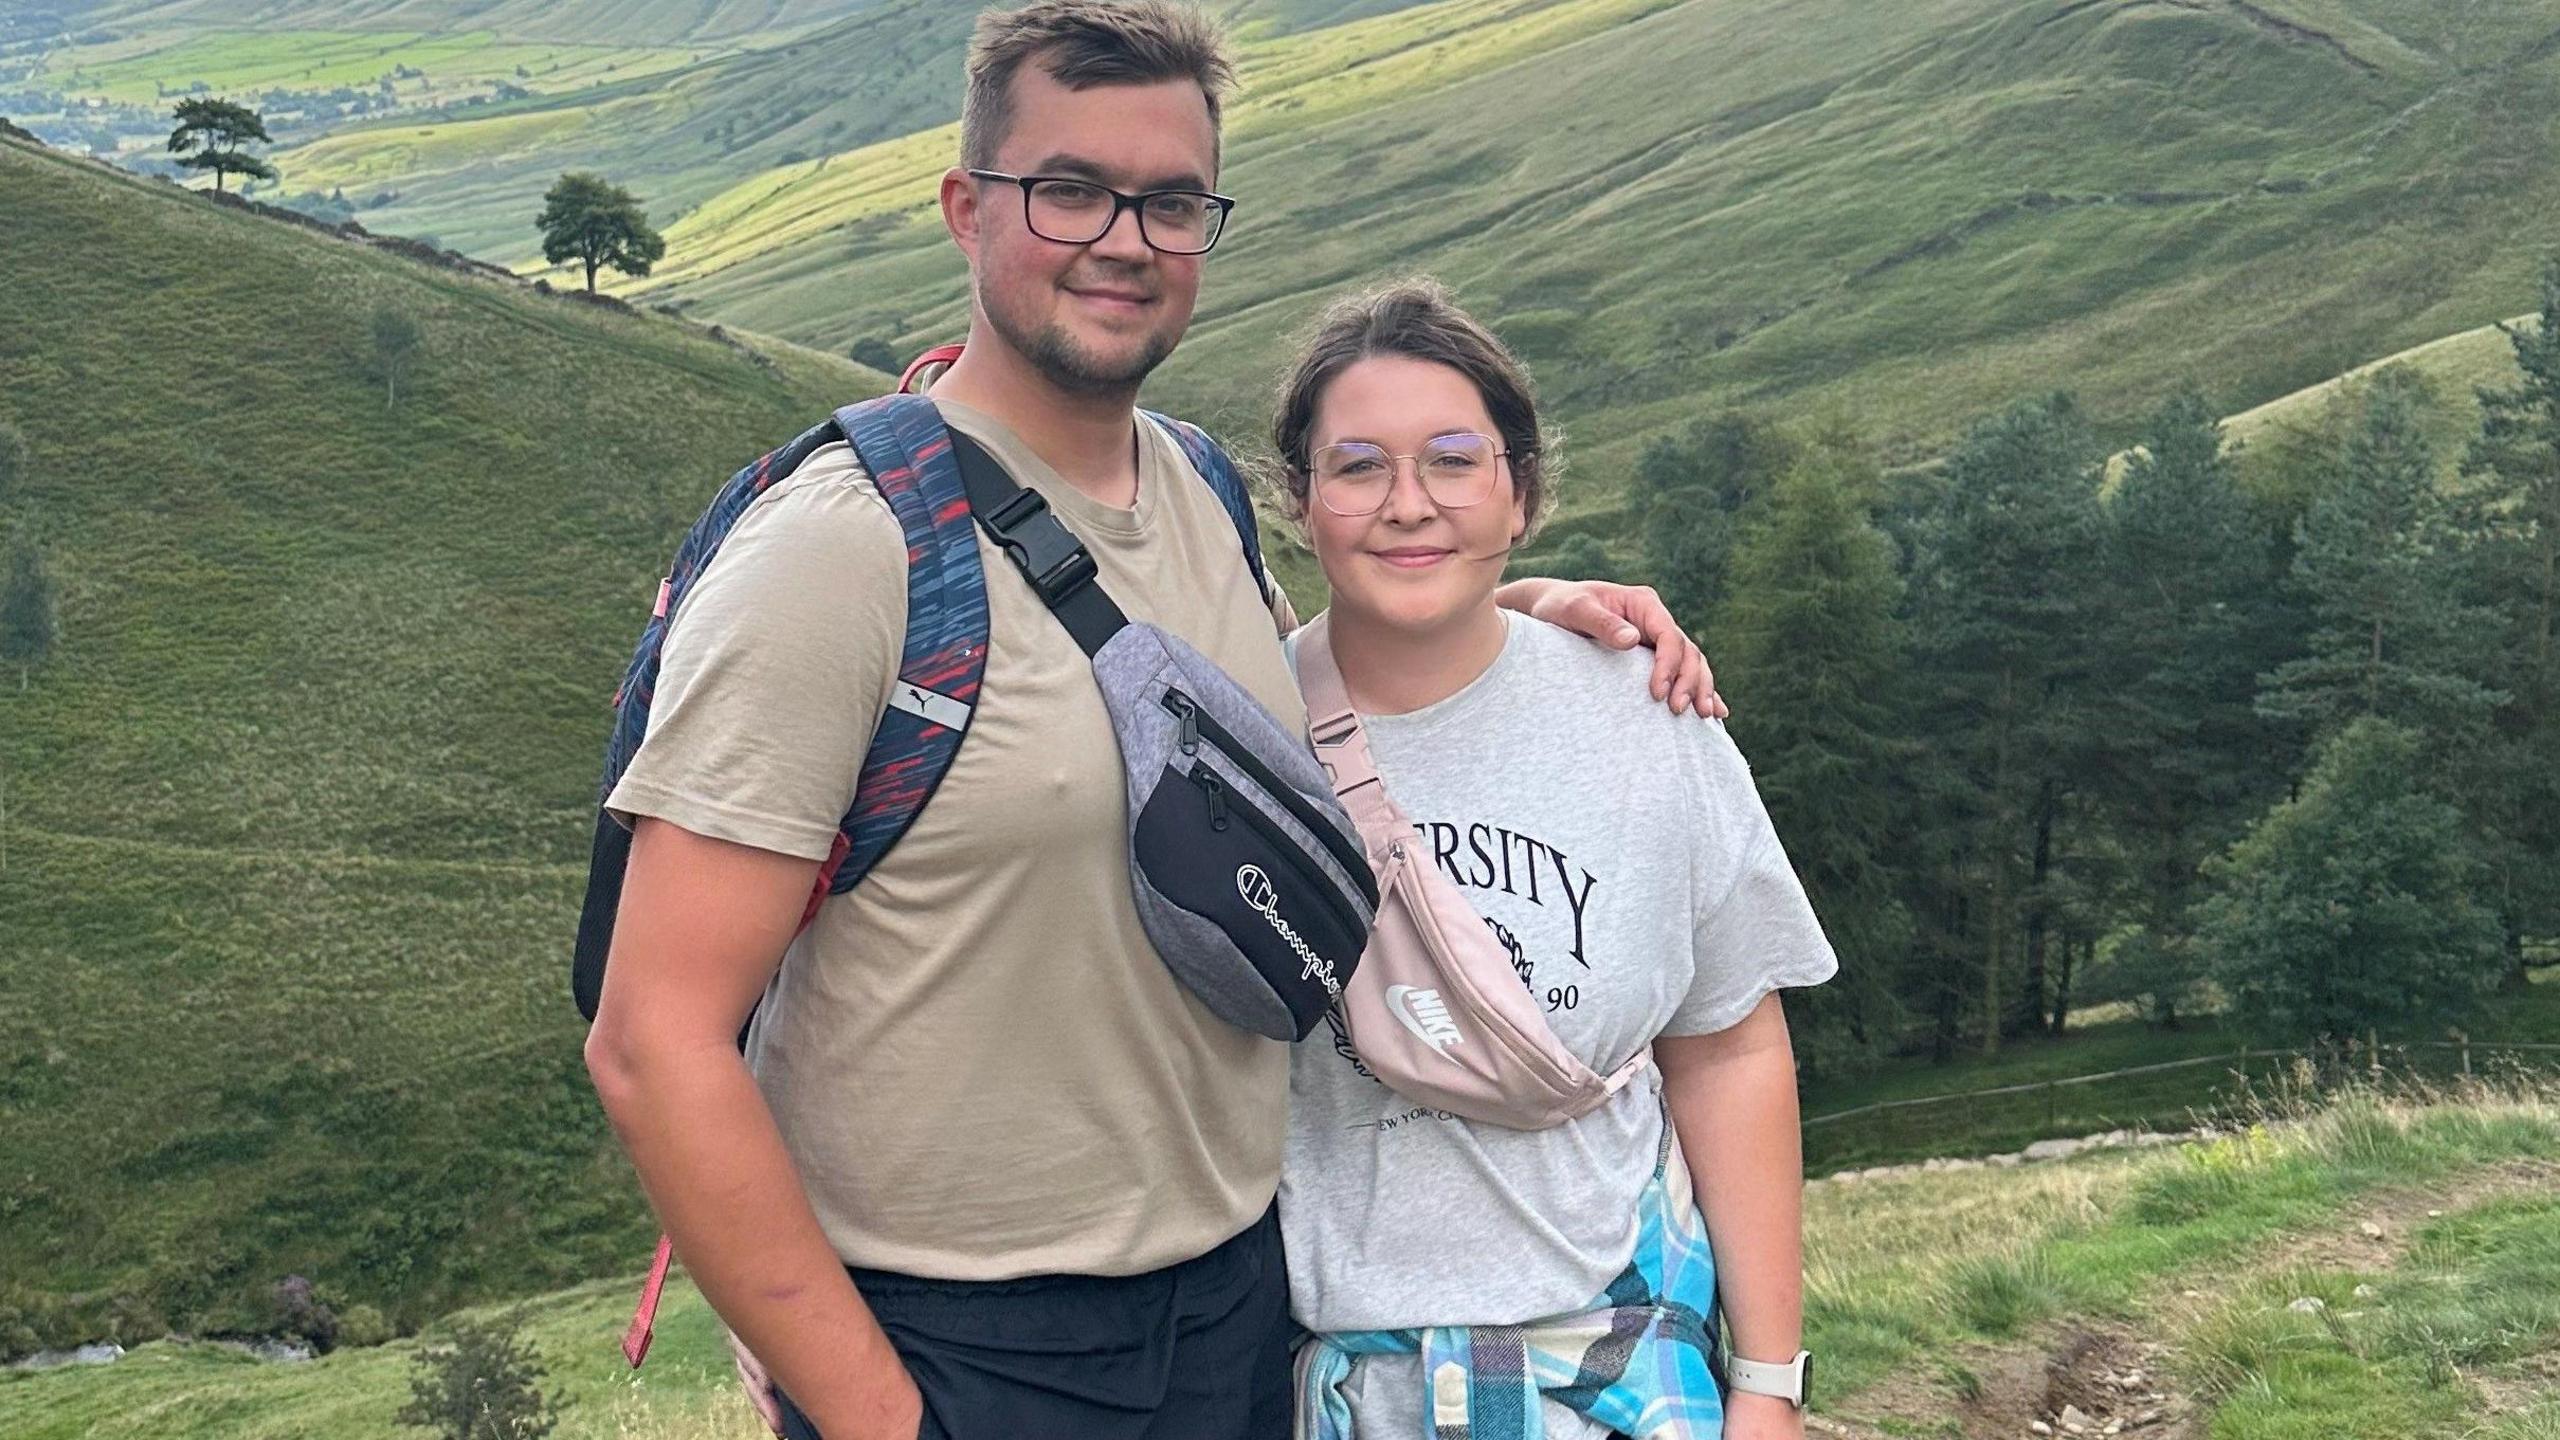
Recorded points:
(216, 131)
(396, 338)
(28, 622)
(587, 219)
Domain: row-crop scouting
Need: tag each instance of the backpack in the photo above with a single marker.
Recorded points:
(906, 449)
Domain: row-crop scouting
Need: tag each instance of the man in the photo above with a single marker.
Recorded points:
(994, 1173)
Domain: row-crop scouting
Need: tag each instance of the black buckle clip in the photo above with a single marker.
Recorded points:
(1046, 552)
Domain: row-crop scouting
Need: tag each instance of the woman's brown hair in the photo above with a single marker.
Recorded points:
(1417, 319)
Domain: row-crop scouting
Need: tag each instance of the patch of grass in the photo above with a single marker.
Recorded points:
(1959, 1380)
(2481, 1287)
(1999, 1295)
(2540, 1423)
(2324, 1353)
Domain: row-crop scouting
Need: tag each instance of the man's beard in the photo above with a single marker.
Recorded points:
(1073, 369)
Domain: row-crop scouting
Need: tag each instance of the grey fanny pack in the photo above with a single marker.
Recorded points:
(1247, 873)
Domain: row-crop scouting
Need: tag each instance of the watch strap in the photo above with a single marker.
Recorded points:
(1782, 1381)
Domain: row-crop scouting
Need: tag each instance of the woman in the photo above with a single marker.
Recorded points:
(1624, 860)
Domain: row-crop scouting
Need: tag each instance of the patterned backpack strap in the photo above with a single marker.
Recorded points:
(1220, 471)
(611, 851)
(908, 452)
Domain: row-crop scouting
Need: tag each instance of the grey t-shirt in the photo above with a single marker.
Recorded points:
(1624, 859)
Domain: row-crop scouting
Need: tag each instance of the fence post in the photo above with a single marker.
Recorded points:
(2373, 1054)
(2462, 1041)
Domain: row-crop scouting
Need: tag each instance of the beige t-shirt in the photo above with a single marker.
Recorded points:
(978, 1062)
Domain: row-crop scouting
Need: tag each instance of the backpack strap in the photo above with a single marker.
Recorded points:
(907, 450)
(1227, 482)
(903, 444)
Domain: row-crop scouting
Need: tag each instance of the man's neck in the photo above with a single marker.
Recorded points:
(1390, 670)
(1089, 440)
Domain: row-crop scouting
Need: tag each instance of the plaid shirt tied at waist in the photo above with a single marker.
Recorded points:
(1637, 1360)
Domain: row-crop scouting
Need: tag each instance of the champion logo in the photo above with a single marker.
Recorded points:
(1425, 1014)
(1258, 891)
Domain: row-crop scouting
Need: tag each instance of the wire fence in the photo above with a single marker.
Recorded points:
(2168, 1094)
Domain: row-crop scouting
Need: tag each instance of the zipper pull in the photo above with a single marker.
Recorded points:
(1180, 704)
(1217, 793)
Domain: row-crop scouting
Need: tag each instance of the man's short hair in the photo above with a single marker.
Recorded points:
(1083, 43)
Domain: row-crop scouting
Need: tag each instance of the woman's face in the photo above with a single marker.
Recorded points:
(1415, 563)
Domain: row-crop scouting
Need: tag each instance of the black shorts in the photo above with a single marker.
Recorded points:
(1195, 1351)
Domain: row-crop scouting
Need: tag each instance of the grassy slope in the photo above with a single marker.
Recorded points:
(1808, 203)
(295, 820)
(1904, 1276)
(2456, 368)
(886, 72)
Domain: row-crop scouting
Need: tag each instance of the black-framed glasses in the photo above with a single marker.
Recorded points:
(1456, 471)
(1072, 211)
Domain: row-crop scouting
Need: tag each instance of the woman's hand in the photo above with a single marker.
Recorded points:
(1760, 1417)
(1623, 617)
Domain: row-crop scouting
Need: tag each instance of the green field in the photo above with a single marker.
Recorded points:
(241, 62)
(295, 821)
(885, 73)
(1937, 1302)
(632, 22)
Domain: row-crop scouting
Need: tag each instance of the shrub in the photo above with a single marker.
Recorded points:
(482, 1384)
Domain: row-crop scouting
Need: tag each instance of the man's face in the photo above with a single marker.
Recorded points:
(1092, 318)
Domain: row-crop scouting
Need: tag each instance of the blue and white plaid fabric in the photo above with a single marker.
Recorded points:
(1635, 1360)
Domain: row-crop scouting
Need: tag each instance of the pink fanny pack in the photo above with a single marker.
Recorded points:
(1435, 1009)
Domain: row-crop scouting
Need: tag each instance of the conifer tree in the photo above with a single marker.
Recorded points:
(2183, 635)
(2514, 469)
(2003, 601)
(2378, 561)
(1814, 654)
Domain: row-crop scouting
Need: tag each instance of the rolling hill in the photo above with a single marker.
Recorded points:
(295, 819)
(1902, 219)
(103, 76)
(2456, 367)
(888, 71)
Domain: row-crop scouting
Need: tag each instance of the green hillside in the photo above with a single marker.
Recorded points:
(1904, 216)
(295, 818)
(2456, 367)
(679, 140)
(102, 77)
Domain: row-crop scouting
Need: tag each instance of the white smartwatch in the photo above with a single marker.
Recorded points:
(1791, 1381)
